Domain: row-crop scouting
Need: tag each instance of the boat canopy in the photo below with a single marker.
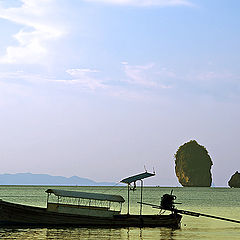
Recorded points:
(137, 177)
(86, 195)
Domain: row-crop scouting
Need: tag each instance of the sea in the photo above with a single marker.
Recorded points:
(222, 202)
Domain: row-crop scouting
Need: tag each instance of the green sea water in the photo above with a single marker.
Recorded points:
(223, 202)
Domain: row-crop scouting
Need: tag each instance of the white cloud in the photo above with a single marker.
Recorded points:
(145, 3)
(84, 78)
(39, 27)
(80, 71)
(145, 75)
(137, 74)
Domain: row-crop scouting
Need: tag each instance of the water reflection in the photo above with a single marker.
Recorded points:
(88, 233)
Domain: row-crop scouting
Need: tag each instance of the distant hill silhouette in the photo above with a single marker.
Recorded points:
(45, 179)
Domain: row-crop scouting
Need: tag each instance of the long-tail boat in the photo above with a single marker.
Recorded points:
(81, 209)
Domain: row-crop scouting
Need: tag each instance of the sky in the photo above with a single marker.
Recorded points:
(103, 89)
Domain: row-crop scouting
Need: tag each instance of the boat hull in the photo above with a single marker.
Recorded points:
(12, 214)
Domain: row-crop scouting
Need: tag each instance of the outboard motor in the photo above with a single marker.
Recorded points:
(167, 202)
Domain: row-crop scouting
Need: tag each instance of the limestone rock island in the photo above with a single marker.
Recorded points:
(234, 181)
(193, 165)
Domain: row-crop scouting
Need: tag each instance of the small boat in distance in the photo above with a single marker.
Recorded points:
(81, 209)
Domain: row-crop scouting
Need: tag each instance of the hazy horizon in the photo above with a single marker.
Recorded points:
(101, 88)
(117, 183)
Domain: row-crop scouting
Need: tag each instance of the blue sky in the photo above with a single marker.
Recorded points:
(100, 88)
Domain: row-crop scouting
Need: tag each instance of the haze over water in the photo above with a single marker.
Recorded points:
(223, 202)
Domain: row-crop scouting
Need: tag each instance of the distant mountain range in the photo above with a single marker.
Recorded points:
(45, 179)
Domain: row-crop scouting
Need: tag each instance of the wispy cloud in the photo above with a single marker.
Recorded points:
(145, 75)
(85, 78)
(38, 28)
(137, 74)
(145, 3)
(140, 76)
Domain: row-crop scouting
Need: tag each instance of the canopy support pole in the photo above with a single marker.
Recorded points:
(141, 197)
(48, 198)
(128, 197)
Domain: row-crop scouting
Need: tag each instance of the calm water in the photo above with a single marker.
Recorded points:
(224, 202)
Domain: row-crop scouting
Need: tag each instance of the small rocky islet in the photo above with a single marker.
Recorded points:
(193, 165)
(234, 181)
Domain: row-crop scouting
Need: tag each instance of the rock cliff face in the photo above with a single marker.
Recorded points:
(234, 181)
(193, 165)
